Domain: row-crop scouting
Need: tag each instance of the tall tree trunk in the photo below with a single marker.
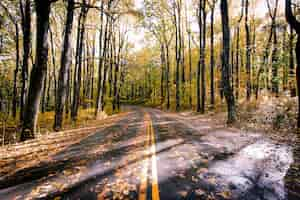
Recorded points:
(110, 77)
(116, 74)
(275, 63)
(212, 56)
(182, 49)
(162, 75)
(238, 53)
(111, 64)
(190, 67)
(202, 57)
(295, 24)
(15, 92)
(64, 71)
(102, 53)
(47, 103)
(263, 67)
(253, 51)
(275, 81)
(39, 70)
(291, 63)
(168, 76)
(225, 63)
(68, 93)
(26, 28)
(248, 52)
(78, 72)
(107, 58)
(285, 66)
(93, 72)
(43, 101)
(53, 61)
(177, 52)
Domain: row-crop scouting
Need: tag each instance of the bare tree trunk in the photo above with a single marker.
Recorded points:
(190, 68)
(93, 72)
(64, 72)
(47, 94)
(168, 76)
(238, 53)
(225, 63)
(43, 101)
(295, 24)
(117, 73)
(275, 81)
(253, 52)
(202, 57)
(212, 56)
(107, 58)
(39, 70)
(291, 63)
(110, 77)
(248, 52)
(78, 72)
(162, 75)
(263, 67)
(15, 92)
(102, 53)
(284, 61)
(68, 93)
(53, 61)
(177, 52)
(26, 28)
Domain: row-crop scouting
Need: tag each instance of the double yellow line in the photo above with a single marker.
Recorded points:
(150, 150)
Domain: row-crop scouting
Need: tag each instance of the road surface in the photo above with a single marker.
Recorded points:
(147, 154)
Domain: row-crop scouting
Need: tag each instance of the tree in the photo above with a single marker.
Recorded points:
(263, 67)
(212, 56)
(238, 52)
(275, 63)
(199, 62)
(203, 55)
(248, 51)
(39, 70)
(228, 92)
(295, 24)
(291, 61)
(104, 46)
(100, 64)
(78, 64)
(65, 63)
(26, 28)
(178, 45)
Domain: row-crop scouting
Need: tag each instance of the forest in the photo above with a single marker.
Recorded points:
(178, 93)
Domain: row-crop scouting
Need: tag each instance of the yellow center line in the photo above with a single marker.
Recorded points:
(155, 189)
(150, 150)
(144, 178)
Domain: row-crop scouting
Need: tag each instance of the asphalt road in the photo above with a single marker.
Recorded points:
(148, 154)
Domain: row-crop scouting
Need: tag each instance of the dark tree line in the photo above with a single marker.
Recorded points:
(75, 86)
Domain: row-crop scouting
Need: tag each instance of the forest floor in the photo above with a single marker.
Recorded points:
(276, 118)
(146, 153)
(86, 118)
